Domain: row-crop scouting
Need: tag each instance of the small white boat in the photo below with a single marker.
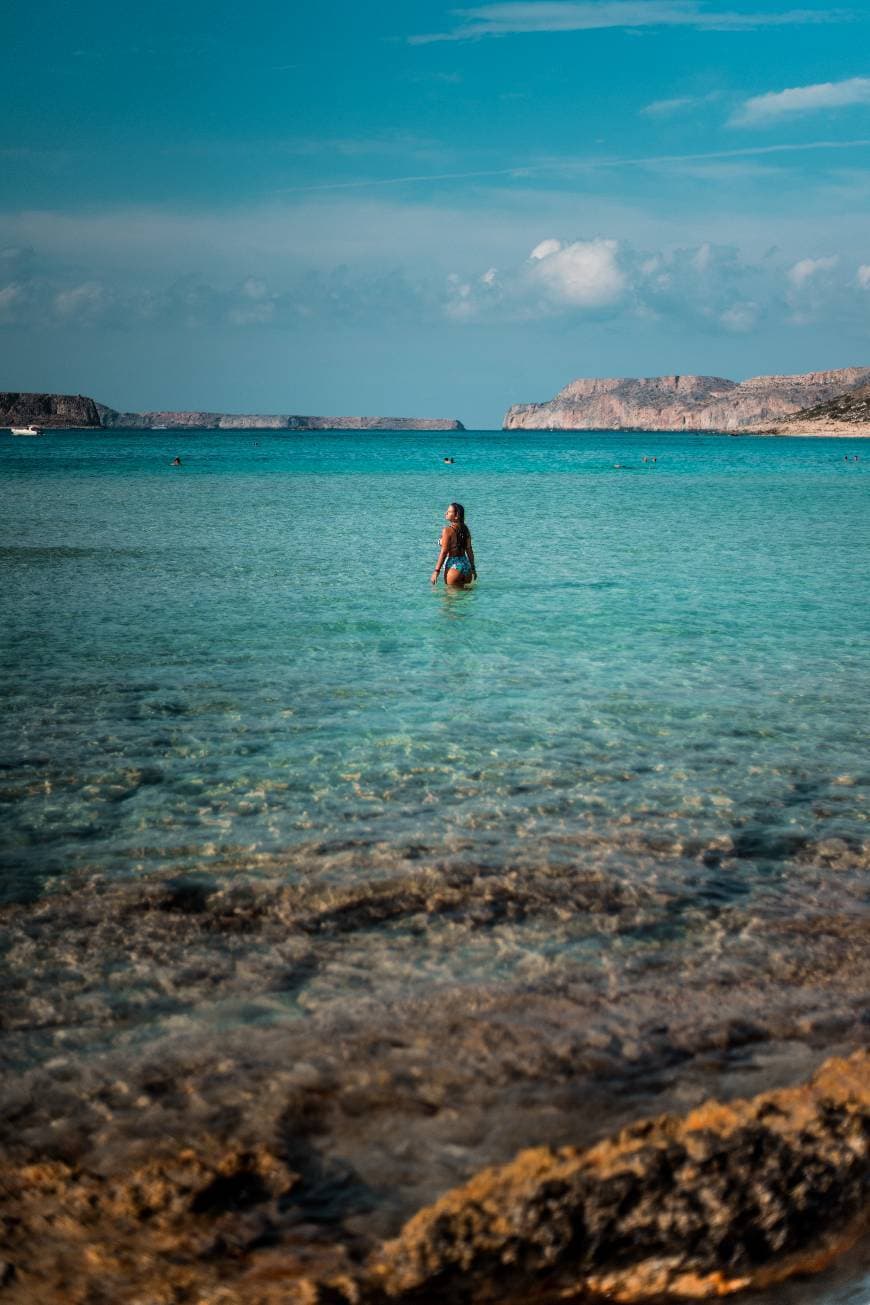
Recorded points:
(26, 430)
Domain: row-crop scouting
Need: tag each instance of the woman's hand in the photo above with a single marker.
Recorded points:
(433, 579)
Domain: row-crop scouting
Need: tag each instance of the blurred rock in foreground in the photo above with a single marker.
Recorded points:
(731, 1196)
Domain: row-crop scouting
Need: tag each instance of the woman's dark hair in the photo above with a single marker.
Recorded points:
(462, 533)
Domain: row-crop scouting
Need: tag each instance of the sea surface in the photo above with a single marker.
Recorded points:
(478, 869)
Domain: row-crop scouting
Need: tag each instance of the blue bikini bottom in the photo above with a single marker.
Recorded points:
(460, 564)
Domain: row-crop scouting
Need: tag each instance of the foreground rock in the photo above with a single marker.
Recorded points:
(730, 1197)
(65, 411)
(112, 420)
(691, 403)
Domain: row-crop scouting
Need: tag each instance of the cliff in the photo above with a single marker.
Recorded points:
(683, 402)
(847, 415)
(72, 411)
(65, 411)
(112, 420)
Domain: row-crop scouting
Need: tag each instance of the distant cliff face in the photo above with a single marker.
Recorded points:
(847, 415)
(59, 410)
(112, 420)
(682, 402)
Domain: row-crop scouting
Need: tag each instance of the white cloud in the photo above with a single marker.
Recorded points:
(776, 105)
(706, 288)
(670, 108)
(740, 318)
(583, 274)
(81, 301)
(666, 108)
(807, 269)
(545, 248)
(253, 288)
(518, 16)
(709, 285)
(11, 298)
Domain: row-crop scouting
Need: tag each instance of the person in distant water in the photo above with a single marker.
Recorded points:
(447, 459)
(456, 555)
(176, 462)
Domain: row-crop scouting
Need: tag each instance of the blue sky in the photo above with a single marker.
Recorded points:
(426, 209)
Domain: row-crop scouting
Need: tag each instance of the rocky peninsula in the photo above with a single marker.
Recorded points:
(687, 403)
(60, 411)
(171, 420)
(848, 415)
(75, 411)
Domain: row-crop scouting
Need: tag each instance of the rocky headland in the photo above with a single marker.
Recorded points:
(848, 416)
(690, 403)
(112, 420)
(75, 411)
(61, 411)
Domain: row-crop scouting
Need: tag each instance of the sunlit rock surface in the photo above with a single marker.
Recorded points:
(847, 416)
(732, 1196)
(675, 403)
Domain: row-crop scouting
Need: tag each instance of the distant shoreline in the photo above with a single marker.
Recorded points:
(861, 431)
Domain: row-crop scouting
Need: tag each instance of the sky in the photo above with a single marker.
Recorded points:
(420, 209)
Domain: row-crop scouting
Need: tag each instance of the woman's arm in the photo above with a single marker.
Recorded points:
(441, 556)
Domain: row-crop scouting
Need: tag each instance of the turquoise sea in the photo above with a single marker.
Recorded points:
(598, 825)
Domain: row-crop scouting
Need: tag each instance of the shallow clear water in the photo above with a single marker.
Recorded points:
(244, 654)
(472, 870)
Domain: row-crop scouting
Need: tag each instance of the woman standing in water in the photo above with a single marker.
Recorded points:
(457, 555)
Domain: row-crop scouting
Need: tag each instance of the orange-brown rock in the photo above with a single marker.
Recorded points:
(166, 1231)
(731, 1196)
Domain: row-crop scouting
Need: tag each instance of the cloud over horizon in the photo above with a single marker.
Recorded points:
(708, 287)
(712, 288)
